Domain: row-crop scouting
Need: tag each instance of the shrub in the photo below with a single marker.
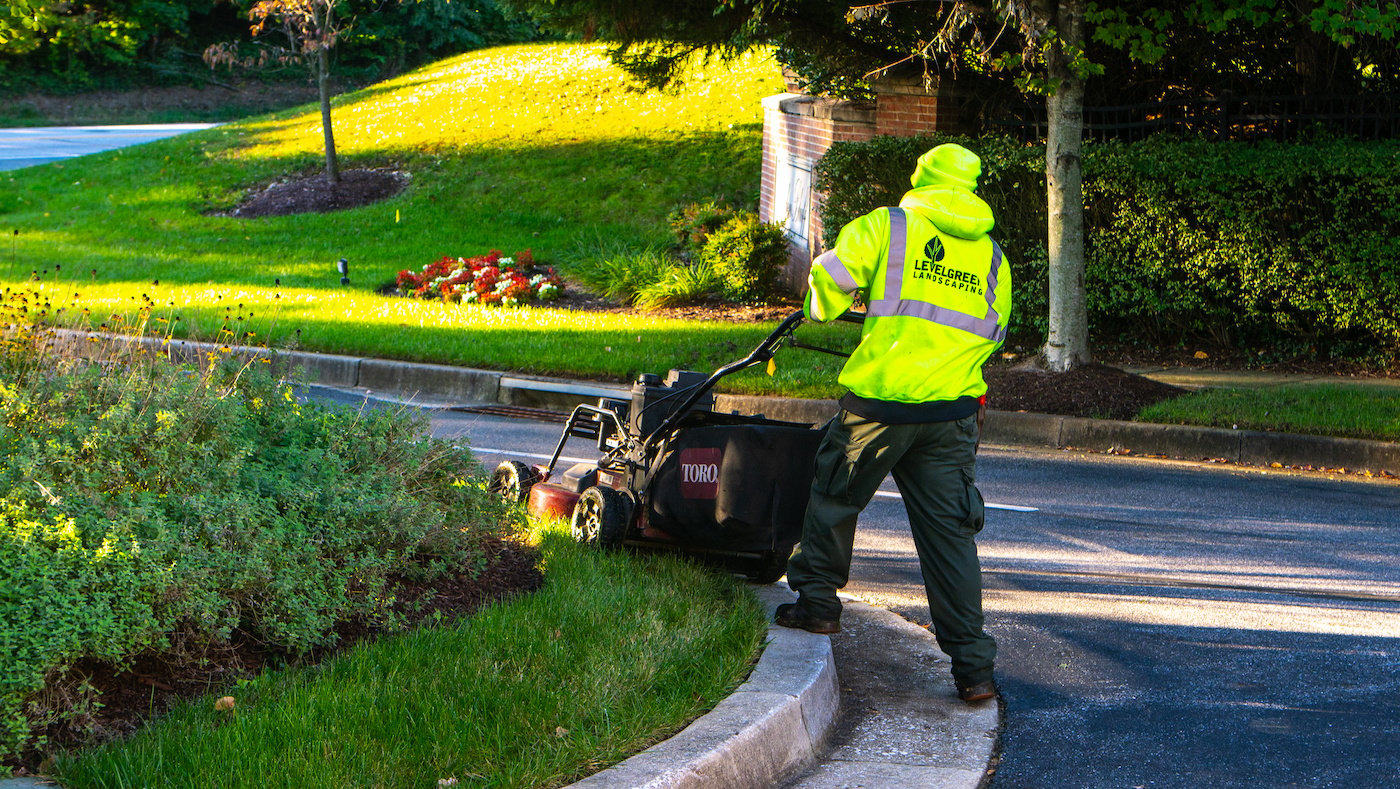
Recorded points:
(620, 273)
(1285, 245)
(1282, 246)
(142, 500)
(746, 255)
(694, 222)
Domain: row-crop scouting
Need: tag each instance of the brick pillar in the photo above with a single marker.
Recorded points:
(797, 130)
(905, 106)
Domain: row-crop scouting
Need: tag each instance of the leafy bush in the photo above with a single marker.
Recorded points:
(694, 222)
(120, 42)
(143, 501)
(739, 259)
(1292, 246)
(746, 255)
(619, 272)
(1282, 246)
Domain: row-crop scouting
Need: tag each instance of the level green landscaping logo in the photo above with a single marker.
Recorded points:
(928, 267)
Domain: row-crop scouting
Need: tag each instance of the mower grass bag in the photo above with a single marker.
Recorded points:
(740, 486)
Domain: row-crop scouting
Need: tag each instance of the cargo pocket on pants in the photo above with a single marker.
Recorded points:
(835, 467)
(976, 508)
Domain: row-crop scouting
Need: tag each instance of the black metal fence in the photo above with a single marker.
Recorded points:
(1231, 118)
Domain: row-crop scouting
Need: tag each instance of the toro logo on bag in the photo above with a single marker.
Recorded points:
(699, 472)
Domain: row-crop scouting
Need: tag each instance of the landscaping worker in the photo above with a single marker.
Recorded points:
(939, 297)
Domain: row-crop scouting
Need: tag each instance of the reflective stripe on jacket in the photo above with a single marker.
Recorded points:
(938, 291)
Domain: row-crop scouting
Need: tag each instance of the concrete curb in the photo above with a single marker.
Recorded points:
(770, 729)
(1249, 447)
(435, 384)
(906, 726)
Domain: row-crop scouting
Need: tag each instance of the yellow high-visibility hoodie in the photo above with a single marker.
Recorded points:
(938, 291)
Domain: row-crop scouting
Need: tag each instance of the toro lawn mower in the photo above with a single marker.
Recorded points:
(677, 474)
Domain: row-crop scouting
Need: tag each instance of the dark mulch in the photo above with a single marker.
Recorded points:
(1094, 390)
(318, 194)
(152, 683)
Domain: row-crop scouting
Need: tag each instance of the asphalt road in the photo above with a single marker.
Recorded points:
(42, 144)
(1160, 624)
(1175, 625)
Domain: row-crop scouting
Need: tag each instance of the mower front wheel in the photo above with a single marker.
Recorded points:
(512, 481)
(601, 516)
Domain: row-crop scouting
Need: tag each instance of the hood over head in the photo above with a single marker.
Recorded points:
(954, 210)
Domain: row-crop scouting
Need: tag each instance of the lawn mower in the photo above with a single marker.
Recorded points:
(677, 474)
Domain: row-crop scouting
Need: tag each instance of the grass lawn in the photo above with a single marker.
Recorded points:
(1357, 411)
(534, 146)
(615, 653)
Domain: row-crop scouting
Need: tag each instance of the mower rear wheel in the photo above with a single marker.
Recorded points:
(771, 567)
(601, 516)
(512, 481)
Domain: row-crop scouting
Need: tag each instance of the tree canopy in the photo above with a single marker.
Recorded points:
(1153, 49)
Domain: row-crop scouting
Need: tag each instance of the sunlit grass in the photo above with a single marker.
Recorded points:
(520, 147)
(539, 340)
(1358, 411)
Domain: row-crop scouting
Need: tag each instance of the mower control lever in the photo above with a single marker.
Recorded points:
(760, 354)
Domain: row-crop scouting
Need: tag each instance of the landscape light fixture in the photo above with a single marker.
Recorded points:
(343, 266)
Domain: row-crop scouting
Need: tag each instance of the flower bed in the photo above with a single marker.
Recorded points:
(485, 279)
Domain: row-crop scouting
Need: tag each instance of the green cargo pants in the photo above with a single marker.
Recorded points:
(933, 465)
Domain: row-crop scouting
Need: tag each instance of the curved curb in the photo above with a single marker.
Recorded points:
(910, 728)
(768, 730)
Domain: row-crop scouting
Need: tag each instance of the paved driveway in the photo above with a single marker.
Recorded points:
(43, 144)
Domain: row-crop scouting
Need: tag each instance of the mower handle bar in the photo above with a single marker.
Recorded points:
(762, 353)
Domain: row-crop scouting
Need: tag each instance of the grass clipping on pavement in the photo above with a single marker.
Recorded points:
(615, 653)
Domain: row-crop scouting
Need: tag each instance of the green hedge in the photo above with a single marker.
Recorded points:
(155, 505)
(1279, 248)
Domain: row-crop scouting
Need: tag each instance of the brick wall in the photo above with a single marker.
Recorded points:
(797, 130)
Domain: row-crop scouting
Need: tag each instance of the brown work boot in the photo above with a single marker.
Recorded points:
(977, 691)
(792, 615)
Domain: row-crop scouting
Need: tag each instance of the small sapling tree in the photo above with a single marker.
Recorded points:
(310, 29)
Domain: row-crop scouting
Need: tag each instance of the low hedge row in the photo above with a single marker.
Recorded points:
(157, 507)
(1288, 248)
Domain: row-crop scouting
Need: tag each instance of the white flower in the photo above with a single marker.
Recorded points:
(469, 296)
(506, 262)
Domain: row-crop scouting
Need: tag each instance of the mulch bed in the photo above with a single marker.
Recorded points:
(318, 194)
(1094, 390)
(154, 682)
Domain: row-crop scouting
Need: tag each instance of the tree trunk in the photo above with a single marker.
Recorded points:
(323, 82)
(1067, 346)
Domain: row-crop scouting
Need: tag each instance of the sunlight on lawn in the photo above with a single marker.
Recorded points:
(535, 147)
(524, 96)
